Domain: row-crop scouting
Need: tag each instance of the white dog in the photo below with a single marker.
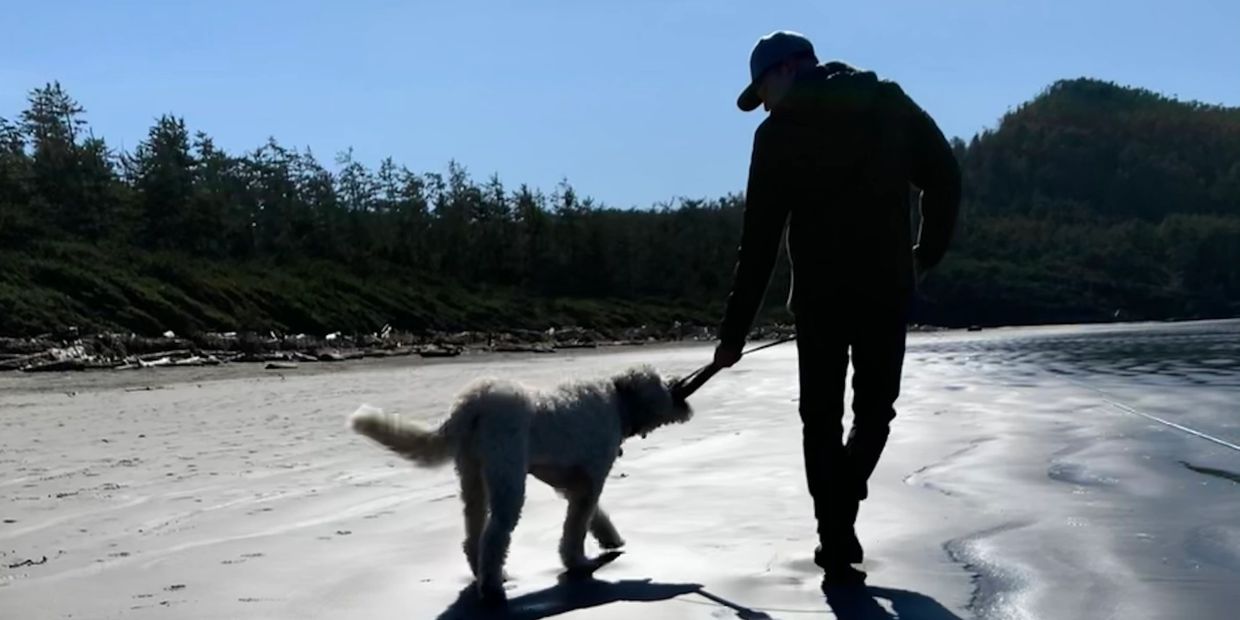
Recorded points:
(569, 438)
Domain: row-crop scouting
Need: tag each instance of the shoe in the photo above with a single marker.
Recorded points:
(492, 595)
(846, 550)
(853, 552)
(842, 576)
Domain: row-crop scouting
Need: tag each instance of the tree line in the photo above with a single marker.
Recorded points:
(1091, 201)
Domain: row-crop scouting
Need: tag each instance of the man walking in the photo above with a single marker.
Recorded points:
(832, 164)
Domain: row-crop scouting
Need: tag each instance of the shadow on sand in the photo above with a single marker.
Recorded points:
(861, 603)
(572, 594)
(568, 595)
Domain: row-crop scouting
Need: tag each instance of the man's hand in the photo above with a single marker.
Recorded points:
(727, 355)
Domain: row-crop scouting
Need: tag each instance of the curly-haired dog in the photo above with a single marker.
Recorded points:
(569, 438)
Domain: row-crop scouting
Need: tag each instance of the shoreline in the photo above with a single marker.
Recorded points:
(110, 351)
(71, 352)
(276, 352)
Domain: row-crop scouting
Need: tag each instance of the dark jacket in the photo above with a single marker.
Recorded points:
(835, 163)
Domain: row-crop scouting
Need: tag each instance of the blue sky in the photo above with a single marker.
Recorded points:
(632, 101)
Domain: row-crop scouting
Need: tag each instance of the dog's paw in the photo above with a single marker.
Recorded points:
(492, 594)
(586, 567)
(611, 544)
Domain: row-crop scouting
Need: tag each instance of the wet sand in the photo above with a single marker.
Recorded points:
(1014, 486)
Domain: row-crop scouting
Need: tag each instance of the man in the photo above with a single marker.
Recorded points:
(833, 164)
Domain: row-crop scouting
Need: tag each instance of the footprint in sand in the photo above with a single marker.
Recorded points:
(243, 558)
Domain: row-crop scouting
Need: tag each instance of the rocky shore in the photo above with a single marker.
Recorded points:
(71, 351)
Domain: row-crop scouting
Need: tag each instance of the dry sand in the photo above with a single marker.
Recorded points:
(1005, 492)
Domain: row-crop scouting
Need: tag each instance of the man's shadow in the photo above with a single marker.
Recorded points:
(570, 594)
(861, 603)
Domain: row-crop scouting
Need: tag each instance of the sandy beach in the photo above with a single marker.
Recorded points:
(1018, 483)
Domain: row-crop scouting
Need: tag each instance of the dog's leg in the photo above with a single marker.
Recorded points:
(582, 502)
(474, 496)
(603, 530)
(505, 489)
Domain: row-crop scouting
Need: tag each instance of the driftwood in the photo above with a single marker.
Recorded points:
(522, 348)
(397, 352)
(340, 356)
(17, 363)
(439, 352)
(29, 563)
(151, 357)
(72, 350)
(57, 366)
(276, 356)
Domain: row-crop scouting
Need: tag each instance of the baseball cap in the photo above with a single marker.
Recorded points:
(768, 52)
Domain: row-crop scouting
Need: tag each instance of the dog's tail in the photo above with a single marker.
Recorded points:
(423, 446)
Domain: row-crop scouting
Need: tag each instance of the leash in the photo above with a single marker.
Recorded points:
(1114, 402)
(687, 385)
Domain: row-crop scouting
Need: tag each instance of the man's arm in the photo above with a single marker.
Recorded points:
(766, 213)
(937, 174)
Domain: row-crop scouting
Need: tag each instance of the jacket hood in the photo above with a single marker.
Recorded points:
(833, 86)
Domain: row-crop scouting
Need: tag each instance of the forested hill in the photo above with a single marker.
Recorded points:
(1095, 149)
(1092, 200)
(1089, 202)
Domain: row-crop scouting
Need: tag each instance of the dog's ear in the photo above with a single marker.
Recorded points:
(628, 391)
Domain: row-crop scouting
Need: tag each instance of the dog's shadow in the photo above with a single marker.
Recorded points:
(570, 594)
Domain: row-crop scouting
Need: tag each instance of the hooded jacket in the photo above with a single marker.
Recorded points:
(837, 164)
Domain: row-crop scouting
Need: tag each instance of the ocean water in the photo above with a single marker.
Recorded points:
(1107, 461)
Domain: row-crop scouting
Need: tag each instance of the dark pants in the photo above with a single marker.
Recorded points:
(836, 470)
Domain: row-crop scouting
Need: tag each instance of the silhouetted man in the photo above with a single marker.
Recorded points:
(833, 163)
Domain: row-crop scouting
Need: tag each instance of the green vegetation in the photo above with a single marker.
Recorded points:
(1093, 199)
(1090, 199)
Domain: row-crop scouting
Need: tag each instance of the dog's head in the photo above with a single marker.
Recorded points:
(647, 402)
